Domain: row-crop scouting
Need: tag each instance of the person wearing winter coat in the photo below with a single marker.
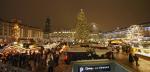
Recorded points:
(136, 58)
(131, 59)
(50, 62)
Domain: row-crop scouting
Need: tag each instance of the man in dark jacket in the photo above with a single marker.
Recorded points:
(136, 58)
(131, 59)
(50, 62)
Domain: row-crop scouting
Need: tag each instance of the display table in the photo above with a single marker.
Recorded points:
(144, 56)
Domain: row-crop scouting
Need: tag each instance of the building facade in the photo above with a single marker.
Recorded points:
(6, 30)
(62, 36)
(146, 27)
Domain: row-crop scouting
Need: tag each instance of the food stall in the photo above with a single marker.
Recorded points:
(142, 49)
(18, 48)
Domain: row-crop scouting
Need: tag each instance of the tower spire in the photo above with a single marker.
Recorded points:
(47, 28)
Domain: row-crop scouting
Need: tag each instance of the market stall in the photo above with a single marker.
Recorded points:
(142, 49)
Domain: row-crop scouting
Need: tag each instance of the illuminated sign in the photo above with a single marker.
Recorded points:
(101, 68)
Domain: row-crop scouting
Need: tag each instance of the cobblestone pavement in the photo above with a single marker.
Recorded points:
(121, 58)
(144, 65)
(62, 67)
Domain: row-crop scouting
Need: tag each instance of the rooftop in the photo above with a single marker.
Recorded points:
(145, 24)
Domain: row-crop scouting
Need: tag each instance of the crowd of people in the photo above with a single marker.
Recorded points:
(128, 50)
(2, 43)
(46, 59)
(33, 60)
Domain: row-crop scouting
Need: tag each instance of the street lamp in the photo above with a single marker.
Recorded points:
(94, 28)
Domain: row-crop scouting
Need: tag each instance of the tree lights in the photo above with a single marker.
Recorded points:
(82, 27)
(16, 31)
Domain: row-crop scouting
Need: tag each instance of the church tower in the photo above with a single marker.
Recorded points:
(47, 28)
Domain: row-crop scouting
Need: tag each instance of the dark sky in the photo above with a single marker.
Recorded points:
(107, 14)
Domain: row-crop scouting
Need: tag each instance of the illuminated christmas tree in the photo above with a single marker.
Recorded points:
(82, 28)
(16, 31)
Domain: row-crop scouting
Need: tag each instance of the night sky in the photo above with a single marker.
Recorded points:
(107, 14)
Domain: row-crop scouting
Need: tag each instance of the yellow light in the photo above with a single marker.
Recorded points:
(21, 45)
(15, 43)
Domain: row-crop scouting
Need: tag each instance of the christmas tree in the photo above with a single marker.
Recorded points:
(82, 28)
